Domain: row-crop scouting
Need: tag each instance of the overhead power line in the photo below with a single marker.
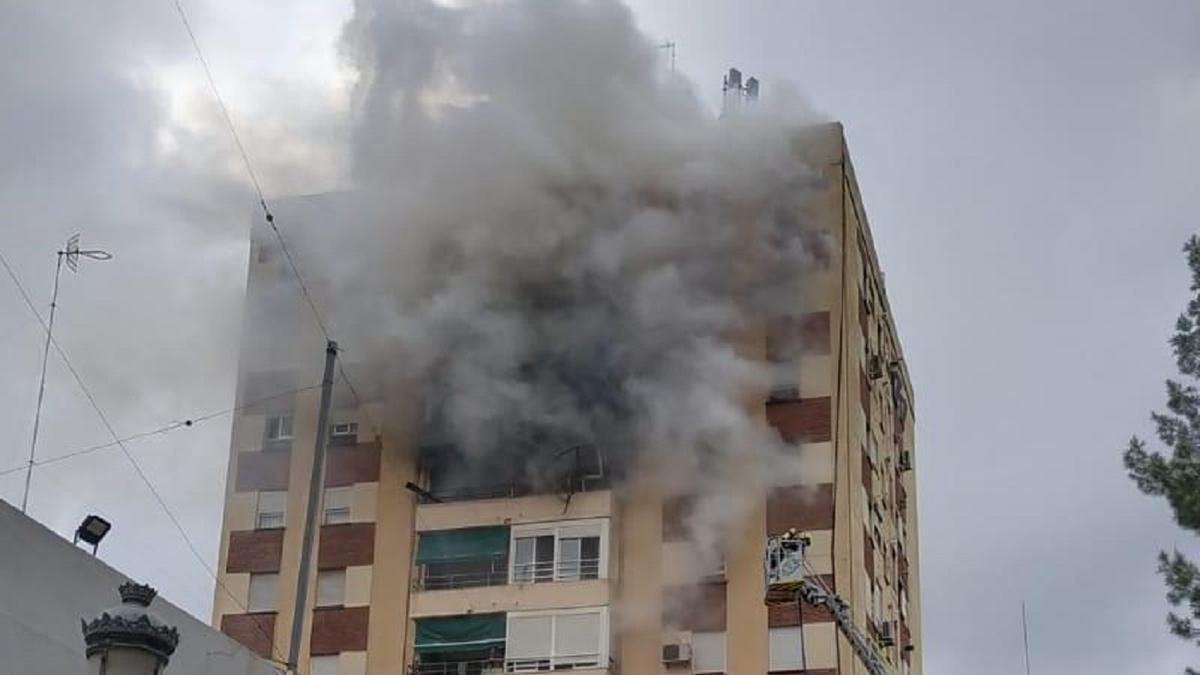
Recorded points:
(267, 214)
(185, 423)
(119, 442)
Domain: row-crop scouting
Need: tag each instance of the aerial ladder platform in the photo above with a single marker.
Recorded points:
(789, 579)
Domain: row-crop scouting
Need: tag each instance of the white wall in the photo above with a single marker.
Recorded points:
(46, 587)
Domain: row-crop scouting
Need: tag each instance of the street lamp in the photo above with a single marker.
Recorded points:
(129, 639)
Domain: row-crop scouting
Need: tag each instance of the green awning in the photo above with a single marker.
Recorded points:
(459, 633)
(473, 543)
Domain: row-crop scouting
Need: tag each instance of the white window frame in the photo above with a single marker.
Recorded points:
(324, 579)
(262, 604)
(340, 429)
(555, 661)
(259, 513)
(341, 514)
(279, 434)
(557, 530)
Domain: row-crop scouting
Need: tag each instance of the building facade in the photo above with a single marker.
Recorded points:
(49, 586)
(465, 576)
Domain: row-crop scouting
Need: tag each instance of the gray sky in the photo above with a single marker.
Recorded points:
(1028, 169)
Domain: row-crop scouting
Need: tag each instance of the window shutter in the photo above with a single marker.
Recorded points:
(784, 649)
(528, 637)
(577, 635)
(708, 652)
(331, 588)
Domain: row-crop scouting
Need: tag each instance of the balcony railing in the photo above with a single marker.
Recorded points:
(511, 490)
(473, 667)
(548, 570)
(496, 575)
(535, 664)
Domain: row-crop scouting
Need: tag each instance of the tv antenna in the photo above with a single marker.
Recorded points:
(670, 47)
(71, 255)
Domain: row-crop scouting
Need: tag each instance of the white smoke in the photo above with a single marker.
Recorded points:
(562, 245)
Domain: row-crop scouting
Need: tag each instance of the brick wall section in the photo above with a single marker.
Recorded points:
(254, 551)
(804, 420)
(339, 629)
(698, 608)
(803, 507)
(675, 512)
(266, 470)
(346, 545)
(904, 570)
(255, 631)
(352, 464)
(905, 637)
(869, 553)
(863, 322)
(782, 616)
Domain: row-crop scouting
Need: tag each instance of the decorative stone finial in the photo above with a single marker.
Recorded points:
(131, 625)
(137, 594)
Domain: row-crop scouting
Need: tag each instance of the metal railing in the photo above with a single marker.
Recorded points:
(471, 667)
(535, 664)
(496, 575)
(511, 490)
(563, 570)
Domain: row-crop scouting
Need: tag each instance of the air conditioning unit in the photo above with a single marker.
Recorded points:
(874, 367)
(887, 634)
(906, 463)
(676, 653)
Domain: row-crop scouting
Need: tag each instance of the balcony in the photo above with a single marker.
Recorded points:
(536, 664)
(487, 666)
(467, 574)
(549, 570)
(495, 666)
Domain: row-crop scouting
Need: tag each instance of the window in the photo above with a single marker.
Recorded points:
(345, 429)
(877, 604)
(331, 588)
(565, 552)
(279, 427)
(903, 604)
(337, 505)
(785, 649)
(262, 592)
(343, 433)
(533, 558)
(556, 640)
(271, 510)
(708, 652)
(323, 665)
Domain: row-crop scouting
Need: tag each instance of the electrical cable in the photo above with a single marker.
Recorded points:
(119, 442)
(262, 202)
(172, 426)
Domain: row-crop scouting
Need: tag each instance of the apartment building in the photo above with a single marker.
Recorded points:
(472, 570)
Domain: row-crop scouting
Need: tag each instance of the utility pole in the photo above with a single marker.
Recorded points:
(316, 481)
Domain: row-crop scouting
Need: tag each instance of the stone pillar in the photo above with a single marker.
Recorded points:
(129, 639)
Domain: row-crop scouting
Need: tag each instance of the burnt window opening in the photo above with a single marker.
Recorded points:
(449, 474)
